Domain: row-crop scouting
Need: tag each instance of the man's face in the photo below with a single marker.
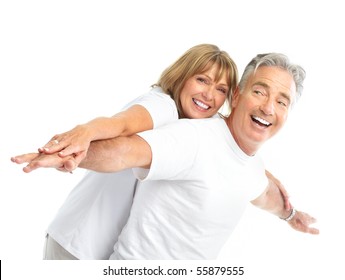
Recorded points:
(261, 109)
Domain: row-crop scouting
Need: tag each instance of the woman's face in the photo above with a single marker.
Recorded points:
(201, 96)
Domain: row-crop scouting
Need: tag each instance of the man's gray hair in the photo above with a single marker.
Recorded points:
(278, 60)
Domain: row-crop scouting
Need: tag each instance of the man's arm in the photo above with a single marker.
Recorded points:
(118, 154)
(282, 190)
(272, 201)
(76, 141)
(103, 156)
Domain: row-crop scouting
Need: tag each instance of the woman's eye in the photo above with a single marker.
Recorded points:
(222, 90)
(202, 80)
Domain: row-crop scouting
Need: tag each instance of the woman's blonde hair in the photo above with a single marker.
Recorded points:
(197, 60)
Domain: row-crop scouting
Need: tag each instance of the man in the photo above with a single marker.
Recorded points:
(202, 173)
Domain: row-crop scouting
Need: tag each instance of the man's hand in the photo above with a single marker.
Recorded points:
(39, 160)
(272, 201)
(302, 221)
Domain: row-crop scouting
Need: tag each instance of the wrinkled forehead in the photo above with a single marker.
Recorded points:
(275, 79)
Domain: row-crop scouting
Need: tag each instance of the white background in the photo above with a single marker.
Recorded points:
(66, 62)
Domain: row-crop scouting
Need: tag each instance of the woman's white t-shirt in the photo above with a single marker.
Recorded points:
(93, 215)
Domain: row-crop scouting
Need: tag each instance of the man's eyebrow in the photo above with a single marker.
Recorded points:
(283, 94)
(286, 96)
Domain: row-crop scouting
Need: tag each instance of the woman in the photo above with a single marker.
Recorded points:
(89, 222)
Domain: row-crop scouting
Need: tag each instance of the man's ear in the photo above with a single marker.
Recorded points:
(235, 96)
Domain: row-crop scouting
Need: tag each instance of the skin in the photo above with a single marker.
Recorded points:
(267, 95)
(270, 102)
(201, 96)
(265, 98)
(199, 91)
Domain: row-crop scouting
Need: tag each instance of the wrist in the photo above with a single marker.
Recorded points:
(292, 214)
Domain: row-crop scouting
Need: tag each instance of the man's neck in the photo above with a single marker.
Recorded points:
(247, 148)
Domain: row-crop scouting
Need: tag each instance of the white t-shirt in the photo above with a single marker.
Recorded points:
(90, 220)
(194, 194)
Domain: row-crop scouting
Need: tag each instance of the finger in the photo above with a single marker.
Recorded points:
(308, 219)
(75, 159)
(24, 158)
(70, 165)
(311, 230)
(70, 150)
(52, 146)
(29, 168)
(62, 169)
(45, 161)
(314, 231)
(79, 157)
(312, 220)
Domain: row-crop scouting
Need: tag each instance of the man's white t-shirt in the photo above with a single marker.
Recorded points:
(194, 194)
(90, 220)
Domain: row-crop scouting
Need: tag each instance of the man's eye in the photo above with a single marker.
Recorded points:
(257, 92)
(282, 103)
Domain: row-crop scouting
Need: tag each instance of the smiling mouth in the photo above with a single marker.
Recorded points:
(201, 104)
(260, 121)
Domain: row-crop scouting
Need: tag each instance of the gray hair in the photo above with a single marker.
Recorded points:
(277, 60)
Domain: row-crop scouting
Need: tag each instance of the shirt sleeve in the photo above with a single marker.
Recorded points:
(174, 149)
(160, 106)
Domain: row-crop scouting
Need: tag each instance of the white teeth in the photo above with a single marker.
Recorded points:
(200, 104)
(261, 120)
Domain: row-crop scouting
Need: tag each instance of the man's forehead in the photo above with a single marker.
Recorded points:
(274, 78)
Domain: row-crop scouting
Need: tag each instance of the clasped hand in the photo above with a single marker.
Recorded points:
(64, 151)
(38, 160)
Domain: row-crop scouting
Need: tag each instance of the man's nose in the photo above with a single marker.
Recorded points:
(267, 107)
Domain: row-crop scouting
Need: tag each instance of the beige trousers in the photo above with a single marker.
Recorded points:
(54, 251)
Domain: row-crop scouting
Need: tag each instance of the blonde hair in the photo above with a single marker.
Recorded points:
(197, 60)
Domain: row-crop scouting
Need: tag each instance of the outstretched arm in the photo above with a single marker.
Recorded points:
(282, 190)
(103, 156)
(118, 154)
(272, 201)
(77, 140)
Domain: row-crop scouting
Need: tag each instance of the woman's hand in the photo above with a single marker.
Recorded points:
(75, 142)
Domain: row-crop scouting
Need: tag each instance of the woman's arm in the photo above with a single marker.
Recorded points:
(103, 156)
(77, 141)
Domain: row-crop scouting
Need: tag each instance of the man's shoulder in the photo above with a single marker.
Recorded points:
(210, 125)
(203, 122)
(196, 127)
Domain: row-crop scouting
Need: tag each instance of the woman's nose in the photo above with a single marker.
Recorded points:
(207, 94)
